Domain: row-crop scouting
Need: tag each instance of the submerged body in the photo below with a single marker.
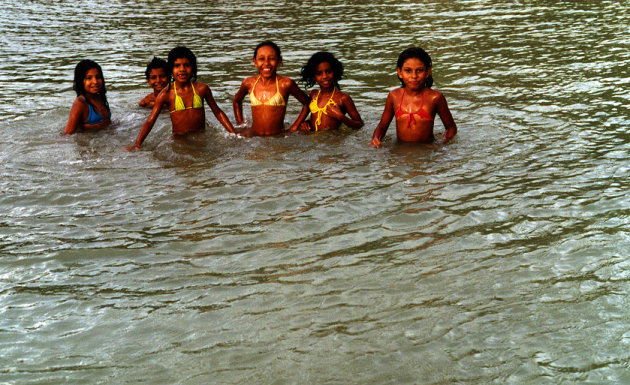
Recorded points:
(268, 93)
(187, 119)
(183, 99)
(157, 79)
(329, 105)
(414, 125)
(415, 104)
(328, 110)
(90, 110)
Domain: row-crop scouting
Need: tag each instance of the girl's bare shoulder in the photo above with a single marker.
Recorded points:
(284, 81)
(396, 94)
(249, 81)
(80, 101)
(201, 87)
(432, 94)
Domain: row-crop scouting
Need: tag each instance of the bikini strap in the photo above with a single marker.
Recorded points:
(401, 100)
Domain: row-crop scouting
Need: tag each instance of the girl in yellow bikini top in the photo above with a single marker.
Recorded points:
(276, 100)
(319, 111)
(179, 103)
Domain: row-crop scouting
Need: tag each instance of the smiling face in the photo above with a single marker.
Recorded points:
(267, 61)
(324, 75)
(157, 79)
(93, 81)
(182, 70)
(414, 73)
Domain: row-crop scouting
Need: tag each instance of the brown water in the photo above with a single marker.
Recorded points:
(501, 258)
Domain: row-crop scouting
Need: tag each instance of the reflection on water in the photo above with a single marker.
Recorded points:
(499, 258)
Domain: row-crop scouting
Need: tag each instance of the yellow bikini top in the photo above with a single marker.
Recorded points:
(275, 100)
(179, 103)
(319, 111)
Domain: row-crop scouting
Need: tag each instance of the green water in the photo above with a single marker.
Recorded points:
(501, 258)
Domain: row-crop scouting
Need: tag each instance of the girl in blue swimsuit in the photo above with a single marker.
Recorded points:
(90, 110)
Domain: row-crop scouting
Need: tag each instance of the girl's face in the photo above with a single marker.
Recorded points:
(414, 73)
(157, 79)
(324, 75)
(267, 61)
(182, 70)
(93, 81)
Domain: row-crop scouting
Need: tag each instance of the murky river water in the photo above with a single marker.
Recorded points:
(500, 258)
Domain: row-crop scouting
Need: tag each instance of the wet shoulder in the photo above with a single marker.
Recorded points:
(432, 96)
(167, 96)
(201, 88)
(249, 81)
(396, 94)
(81, 101)
(285, 82)
(80, 106)
(341, 97)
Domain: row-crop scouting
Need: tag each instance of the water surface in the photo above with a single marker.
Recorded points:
(500, 258)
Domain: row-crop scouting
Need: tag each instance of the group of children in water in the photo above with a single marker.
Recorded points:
(176, 89)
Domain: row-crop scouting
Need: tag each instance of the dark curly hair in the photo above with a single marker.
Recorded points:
(181, 53)
(79, 75)
(154, 64)
(417, 53)
(308, 71)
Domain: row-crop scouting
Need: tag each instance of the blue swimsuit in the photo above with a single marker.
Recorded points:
(93, 116)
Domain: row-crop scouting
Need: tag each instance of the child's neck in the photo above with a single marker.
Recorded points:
(183, 84)
(93, 97)
(325, 90)
(270, 79)
(414, 91)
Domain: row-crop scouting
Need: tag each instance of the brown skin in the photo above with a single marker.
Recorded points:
(267, 120)
(93, 84)
(414, 74)
(184, 121)
(148, 101)
(335, 114)
(157, 80)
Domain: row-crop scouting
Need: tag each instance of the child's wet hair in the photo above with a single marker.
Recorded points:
(270, 44)
(79, 75)
(182, 53)
(417, 53)
(308, 71)
(154, 64)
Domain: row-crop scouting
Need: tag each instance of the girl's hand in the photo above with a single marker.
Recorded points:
(375, 143)
(305, 126)
(132, 148)
(335, 113)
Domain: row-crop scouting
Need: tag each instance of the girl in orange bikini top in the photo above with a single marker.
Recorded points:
(421, 113)
(414, 72)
